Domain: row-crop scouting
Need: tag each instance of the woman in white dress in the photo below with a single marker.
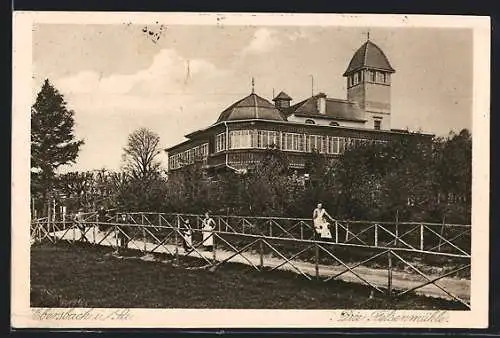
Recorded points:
(320, 224)
(208, 236)
(188, 235)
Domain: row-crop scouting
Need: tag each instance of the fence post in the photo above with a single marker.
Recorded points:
(214, 248)
(396, 230)
(316, 260)
(270, 229)
(421, 237)
(301, 231)
(389, 273)
(64, 218)
(442, 232)
(116, 237)
(261, 253)
(336, 232)
(144, 238)
(49, 217)
(376, 235)
(347, 233)
(177, 241)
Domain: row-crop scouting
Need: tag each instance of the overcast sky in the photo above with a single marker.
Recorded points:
(117, 79)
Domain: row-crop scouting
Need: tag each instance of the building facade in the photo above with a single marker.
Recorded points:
(330, 126)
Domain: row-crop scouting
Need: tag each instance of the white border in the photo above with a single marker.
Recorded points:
(142, 318)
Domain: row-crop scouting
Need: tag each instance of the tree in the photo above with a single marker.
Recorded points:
(141, 154)
(53, 143)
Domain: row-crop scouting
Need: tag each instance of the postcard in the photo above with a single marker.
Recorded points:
(256, 170)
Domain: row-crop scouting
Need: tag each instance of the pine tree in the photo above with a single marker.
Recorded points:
(53, 142)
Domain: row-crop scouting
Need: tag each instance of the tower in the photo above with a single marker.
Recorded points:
(369, 84)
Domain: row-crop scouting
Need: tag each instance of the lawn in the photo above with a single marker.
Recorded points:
(79, 275)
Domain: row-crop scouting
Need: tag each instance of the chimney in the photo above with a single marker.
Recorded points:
(321, 103)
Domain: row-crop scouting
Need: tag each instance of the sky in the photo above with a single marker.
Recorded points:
(118, 78)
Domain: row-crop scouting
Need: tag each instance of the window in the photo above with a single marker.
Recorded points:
(356, 78)
(239, 139)
(220, 142)
(372, 75)
(341, 145)
(333, 145)
(380, 77)
(376, 124)
(334, 124)
(289, 141)
(309, 121)
(324, 144)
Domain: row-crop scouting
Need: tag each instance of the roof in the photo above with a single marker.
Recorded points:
(282, 96)
(369, 55)
(251, 107)
(335, 109)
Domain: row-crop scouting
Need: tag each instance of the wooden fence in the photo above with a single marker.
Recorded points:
(271, 243)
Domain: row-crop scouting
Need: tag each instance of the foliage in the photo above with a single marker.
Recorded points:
(408, 179)
(140, 154)
(53, 142)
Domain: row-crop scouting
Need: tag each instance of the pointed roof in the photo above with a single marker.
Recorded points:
(282, 96)
(251, 107)
(369, 55)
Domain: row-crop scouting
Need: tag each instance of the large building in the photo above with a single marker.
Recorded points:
(245, 129)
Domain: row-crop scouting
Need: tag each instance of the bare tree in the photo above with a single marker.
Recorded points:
(141, 153)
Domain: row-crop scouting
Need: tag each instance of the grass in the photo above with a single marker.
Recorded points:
(78, 275)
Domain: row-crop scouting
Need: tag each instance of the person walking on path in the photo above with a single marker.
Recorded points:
(79, 221)
(187, 234)
(102, 216)
(321, 226)
(122, 233)
(208, 236)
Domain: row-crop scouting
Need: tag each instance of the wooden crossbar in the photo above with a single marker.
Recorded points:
(434, 280)
(447, 241)
(453, 238)
(396, 237)
(356, 265)
(237, 252)
(429, 279)
(272, 221)
(287, 261)
(350, 270)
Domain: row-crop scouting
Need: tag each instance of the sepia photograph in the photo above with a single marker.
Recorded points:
(176, 165)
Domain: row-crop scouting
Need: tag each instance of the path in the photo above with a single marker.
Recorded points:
(378, 277)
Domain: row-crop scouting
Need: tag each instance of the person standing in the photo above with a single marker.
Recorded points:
(208, 236)
(101, 218)
(187, 234)
(321, 226)
(122, 234)
(79, 221)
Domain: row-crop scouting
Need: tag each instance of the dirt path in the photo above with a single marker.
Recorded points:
(378, 277)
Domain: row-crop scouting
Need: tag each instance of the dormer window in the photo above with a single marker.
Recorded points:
(309, 121)
(334, 124)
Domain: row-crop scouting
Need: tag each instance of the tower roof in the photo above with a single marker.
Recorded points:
(251, 107)
(369, 55)
(282, 96)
